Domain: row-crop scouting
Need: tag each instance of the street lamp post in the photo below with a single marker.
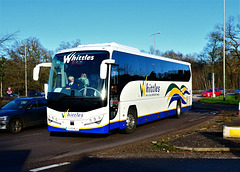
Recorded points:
(154, 41)
(1, 59)
(25, 70)
(224, 50)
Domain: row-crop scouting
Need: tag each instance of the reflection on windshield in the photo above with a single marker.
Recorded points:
(15, 104)
(77, 74)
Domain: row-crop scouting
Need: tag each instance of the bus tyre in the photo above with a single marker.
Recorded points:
(15, 126)
(131, 122)
(178, 109)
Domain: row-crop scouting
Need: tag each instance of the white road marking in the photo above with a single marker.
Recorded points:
(50, 166)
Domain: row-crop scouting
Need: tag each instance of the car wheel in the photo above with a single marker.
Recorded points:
(131, 122)
(178, 109)
(15, 126)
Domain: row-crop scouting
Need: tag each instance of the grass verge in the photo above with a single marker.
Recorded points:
(229, 99)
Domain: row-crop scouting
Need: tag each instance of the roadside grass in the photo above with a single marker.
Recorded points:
(229, 99)
(163, 146)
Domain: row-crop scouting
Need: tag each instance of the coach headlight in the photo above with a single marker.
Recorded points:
(53, 118)
(95, 119)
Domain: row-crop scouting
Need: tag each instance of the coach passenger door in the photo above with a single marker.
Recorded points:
(114, 93)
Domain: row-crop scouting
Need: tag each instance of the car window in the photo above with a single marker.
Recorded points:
(42, 102)
(15, 104)
(33, 104)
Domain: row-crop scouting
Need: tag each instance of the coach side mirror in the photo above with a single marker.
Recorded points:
(36, 73)
(37, 69)
(103, 67)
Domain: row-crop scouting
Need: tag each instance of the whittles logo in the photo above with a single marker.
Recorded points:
(72, 115)
(176, 93)
(149, 89)
(75, 58)
(64, 115)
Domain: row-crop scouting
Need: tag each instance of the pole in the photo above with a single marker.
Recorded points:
(154, 46)
(213, 84)
(25, 71)
(239, 108)
(224, 50)
(154, 41)
(1, 74)
(1, 86)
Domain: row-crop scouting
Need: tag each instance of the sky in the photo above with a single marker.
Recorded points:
(183, 24)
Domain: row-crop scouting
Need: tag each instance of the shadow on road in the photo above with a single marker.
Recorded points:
(153, 164)
(13, 160)
(71, 134)
(217, 138)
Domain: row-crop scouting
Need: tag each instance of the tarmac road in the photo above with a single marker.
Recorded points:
(35, 148)
(151, 165)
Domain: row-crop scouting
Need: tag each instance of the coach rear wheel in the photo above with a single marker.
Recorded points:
(178, 109)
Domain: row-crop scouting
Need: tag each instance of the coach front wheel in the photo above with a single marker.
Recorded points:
(131, 122)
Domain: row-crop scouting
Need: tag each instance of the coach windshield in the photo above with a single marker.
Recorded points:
(76, 75)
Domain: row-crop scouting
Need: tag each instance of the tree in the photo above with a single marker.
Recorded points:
(233, 51)
(213, 49)
(171, 54)
(7, 38)
(66, 45)
(233, 37)
(214, 53)
(15, 65)
(232, 59)
(151, 51)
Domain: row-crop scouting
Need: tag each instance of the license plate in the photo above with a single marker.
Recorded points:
(72, 129)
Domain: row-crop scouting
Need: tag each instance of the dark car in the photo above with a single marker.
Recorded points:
(36, 94)
(237, 91)
(23, 112)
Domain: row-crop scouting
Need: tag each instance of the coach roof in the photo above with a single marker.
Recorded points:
(118, 47)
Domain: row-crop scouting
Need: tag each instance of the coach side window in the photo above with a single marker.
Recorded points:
(166, 68)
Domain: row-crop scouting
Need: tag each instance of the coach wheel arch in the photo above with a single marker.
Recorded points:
(131, 122)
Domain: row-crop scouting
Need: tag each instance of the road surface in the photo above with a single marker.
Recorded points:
(35, 147)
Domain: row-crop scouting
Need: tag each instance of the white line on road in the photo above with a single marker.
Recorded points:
(50, 166)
